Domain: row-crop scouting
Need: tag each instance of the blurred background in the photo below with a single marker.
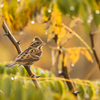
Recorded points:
(82, 69)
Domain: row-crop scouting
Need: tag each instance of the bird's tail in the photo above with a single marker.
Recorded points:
(10, 65)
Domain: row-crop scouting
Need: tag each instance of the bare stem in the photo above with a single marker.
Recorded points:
(93, 48)
(67, 76)
(65, 72)
(17, 46)
(73, 32)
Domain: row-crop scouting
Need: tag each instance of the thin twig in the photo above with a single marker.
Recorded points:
(90, 73)
(73, 32)
(65, 49)
(93, 48)
(16, 44)
(95, 55)
(11, 37)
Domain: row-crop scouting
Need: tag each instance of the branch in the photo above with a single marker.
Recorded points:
(65, 72)
(11, 37)
(93, 48)
(16, 44)
(67, 76)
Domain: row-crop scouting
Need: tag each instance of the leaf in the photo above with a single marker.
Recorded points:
(74, 55)
(6, 13)
(84, 14)
(1, 68)
(30, 91)
(50, 37)
(80, 88)
(64, 6)
(74, 22)
(93, 4)
(8, 70)
(98, 90)
(45, 13)
(18, 89)
(65, 60)
(14, 70)
(60, 87)
(86, 54)
(90, 90)
(21, 70)
(51, 85)
(96, 17)
(61, 35)
(40, 72)
(6, 86)
(67, 37)
(48, 74)
(12, 9)
(49, 20)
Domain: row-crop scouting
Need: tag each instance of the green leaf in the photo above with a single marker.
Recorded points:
(1, 68)
(90, 90)
(48, 74)
(51, 86)
(18, 92)
(93, 4)
(22, 70)
(14, 70)
(6, 86)
(40, 72)
(12, 8)
(30, 90)
(60, 87)
(8, 70)
(96, 18)
(63, 5)
(80, 88)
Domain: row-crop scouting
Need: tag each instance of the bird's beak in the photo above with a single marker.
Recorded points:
(43, 43)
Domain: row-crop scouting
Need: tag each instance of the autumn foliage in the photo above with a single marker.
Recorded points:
(16, 83)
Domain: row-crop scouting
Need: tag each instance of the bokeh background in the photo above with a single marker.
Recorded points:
(82, 69)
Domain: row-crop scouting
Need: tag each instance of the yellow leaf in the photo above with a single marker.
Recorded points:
(50, 36)
(61, 35)
(74, 55)
(65, 60)
(58, 19)
(5, 12)
(55, 8)
(86, 54)
(49, 20)
(43, 14)
(74, 22)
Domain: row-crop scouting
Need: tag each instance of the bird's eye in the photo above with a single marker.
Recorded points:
(37, 42)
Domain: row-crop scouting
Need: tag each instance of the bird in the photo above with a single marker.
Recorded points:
(30, 55)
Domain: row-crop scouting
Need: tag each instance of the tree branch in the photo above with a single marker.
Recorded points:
(11, 37)
(93, 48)
(65, 72)
(66, 75)
(16, 44)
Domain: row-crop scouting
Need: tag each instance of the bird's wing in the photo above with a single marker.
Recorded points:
(27, 56)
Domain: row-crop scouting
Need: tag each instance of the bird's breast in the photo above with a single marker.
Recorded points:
(39, 53)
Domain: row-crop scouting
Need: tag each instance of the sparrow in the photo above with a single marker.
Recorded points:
(30, 55)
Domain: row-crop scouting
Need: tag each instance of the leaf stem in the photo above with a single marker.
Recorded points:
(78, 37)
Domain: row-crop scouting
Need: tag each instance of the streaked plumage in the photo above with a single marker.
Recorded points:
(30, 55)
